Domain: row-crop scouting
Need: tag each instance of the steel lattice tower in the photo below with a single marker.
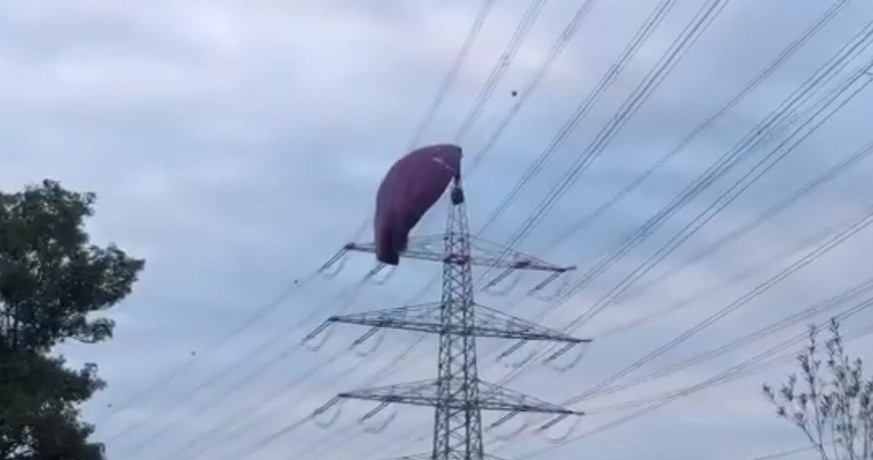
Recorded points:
(457, 394)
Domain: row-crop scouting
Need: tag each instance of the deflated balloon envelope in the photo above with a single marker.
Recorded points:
(410, 188)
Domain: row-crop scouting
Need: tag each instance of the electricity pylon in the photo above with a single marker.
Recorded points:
(457, 394)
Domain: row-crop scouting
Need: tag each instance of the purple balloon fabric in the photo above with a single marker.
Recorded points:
(411, 187)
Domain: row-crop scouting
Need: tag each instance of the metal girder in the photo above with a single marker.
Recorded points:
(491, 397)
(481, 253)
(487, 322)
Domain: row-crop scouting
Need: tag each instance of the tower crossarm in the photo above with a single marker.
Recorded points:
(491, 397)
(482, 253)
(486, 322)
(495, 397)
(415, 394)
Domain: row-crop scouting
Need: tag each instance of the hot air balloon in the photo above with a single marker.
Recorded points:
(412, 186)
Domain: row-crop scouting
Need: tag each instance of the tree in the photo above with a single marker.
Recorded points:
(833, 410)
(52, 283)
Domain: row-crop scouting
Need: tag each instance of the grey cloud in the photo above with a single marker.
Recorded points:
(237, 145)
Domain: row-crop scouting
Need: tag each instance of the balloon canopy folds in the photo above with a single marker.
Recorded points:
(410, 188)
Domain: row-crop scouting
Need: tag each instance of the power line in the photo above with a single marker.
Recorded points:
(760, 366)
(728, 374)
(730, 195)
(699, 296)
(865, 219)
(725, 163)
(188, 396)
(637, 237)
(822, 179)
(859, 224)
(441, 93)
(545, 65)
(786, 453)
(450, 77)
(656, 75)
(759, 334)
(229, 432)
(750, 86)
(780, 207)
(485, 94)
(255, 316)
(642, 34)
(818, 237)
(783, 205)
(499, 69)
(224, 338)
(797, 43)
(861, 41)
(258, 446)
(232, 431)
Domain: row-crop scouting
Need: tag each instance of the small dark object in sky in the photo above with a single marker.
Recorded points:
(514, 93)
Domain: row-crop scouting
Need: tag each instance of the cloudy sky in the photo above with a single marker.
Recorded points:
(236, 145)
